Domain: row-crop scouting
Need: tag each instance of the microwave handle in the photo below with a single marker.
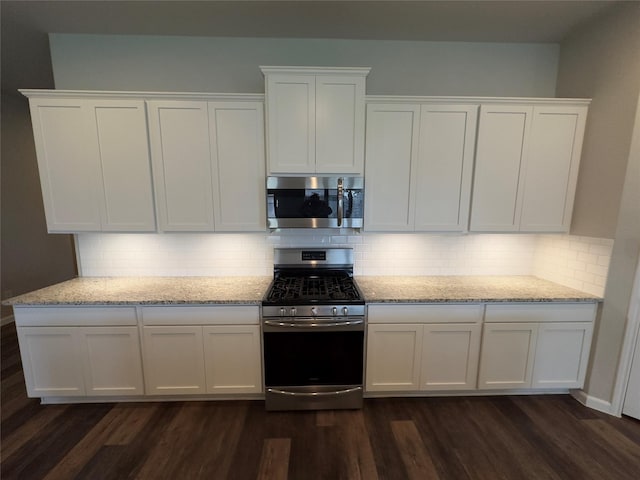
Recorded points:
(340, 202)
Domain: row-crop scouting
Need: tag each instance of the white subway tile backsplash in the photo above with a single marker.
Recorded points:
(578, 262)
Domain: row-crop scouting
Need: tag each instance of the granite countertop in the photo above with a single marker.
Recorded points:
(148, 290)
(455, 289)
(251, 290)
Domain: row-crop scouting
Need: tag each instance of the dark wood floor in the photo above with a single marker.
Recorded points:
(539, 437)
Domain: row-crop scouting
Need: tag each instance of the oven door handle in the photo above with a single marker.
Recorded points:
(314, 394)
(276, 323)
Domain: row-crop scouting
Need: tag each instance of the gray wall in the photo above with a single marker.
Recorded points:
(31, 258)
(602, 61)
(209, 64)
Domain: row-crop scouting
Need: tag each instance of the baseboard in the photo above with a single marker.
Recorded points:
(593, 402)
(7, 320)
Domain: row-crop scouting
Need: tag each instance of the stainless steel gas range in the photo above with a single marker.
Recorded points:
(313, 330)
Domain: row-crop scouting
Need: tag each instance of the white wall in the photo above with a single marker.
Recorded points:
(578, 262)
(222, 64)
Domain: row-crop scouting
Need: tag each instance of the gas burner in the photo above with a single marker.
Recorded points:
(313, 288)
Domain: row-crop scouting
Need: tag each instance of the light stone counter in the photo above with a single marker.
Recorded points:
(251, 290)
(148, 290)
(456, 289)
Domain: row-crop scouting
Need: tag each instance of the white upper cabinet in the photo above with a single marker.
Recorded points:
(444, 167)
(93, 159)
(315, 119)
(419, 160)
(392, 147)
(208, 160)
(526, 167)
(179, 134)
(237, 154)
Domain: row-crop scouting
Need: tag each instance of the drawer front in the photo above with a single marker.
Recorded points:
(410, 313)
(74, 316)
(536, 312)
(201, 315)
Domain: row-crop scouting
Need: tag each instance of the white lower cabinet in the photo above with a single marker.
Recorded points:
(173, 360)
(77, 361)
(438, 350)
(202, 349)
(536, 346)
(508, 352)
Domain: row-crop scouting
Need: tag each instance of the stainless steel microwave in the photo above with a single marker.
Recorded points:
(315, 202)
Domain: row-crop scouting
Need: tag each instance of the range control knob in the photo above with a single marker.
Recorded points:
(334, 311)
(345, 311)
(292, 312)
(314, 311)
(282, 312)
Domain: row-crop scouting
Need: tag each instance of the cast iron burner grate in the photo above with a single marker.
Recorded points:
(313, 288)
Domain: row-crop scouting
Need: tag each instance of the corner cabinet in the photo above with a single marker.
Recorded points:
(93, 160)
(419, 162)
(315, 119)
(79, 351)
(526, 167)
(208, 160)
(536, 346)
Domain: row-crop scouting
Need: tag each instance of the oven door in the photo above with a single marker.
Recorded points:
(313, 365)
(315, 202)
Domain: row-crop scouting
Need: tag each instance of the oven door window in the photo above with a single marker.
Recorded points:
(313, 358)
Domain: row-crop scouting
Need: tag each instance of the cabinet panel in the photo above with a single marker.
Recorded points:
(74, 316)
(553, 312)
(292, 123)
(415, 313)
(112, 364)
(508, 352)
(392, 133)
(173, 360)
(233, 359)
(125, 165)
(444, 167)
(237, 153)
(450, 356)
(562, 354)
(179, 135)
(393, 357)
(68, 164)
(552, 168)
(51, 361)
(201, 315)
(340, 114)
(502, 136)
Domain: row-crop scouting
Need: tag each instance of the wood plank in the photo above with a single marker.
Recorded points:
(23, 432)
(274, 461)
(415, 457)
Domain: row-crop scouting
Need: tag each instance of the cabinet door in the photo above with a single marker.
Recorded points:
(501, 146)
(551, 168)
(179, 135)
(562, 353)
(121, 130)
(340, 115)
(291, 123)
(52, 361)
(444, 167)
(392, 147)
(393, 357)
(508, 351)
(237, 155)
(111, 360)
(173, 360)
(233, 359)
(450, 354)
(65, 140)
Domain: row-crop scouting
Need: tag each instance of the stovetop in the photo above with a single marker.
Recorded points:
(333, 287)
